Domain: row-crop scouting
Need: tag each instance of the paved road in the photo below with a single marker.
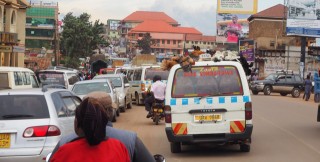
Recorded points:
(285, 129)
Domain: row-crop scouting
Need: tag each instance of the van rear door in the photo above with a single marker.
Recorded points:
(208, 100)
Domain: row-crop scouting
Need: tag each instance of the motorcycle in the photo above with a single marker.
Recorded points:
(157, 112)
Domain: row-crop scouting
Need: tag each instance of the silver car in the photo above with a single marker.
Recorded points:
(122, 86)
(83, 88)
(32, 121)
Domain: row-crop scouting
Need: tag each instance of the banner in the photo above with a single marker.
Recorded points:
(232, 19)
(246, 49)
(303, 18)
(238, 6)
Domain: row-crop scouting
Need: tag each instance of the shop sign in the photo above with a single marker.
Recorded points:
(19, 49)
(5, 48)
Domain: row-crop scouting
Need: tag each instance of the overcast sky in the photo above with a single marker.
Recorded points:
(200, 14)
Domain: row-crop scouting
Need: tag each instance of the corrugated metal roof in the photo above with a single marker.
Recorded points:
(275, 12)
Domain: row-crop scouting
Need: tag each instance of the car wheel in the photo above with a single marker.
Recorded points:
(137, 99)
(283, 94)
(114, 118)
(267, 90)
(129, 105)
(255, 92)
(118, 112)
(244, 148)
(295, 92)
(175, 147)
(123, 109)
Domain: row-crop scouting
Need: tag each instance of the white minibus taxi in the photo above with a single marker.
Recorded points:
(17, 78)
(209, 104)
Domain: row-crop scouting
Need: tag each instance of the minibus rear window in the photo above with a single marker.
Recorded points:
(207, 81)
(47, 78)
(151, 72)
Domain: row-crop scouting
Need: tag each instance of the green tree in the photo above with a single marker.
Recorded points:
(145, 44)
(80, 37)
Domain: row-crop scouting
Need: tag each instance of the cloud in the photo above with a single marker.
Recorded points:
(200, 15)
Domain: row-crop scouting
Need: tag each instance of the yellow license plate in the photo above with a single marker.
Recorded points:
(208, 118)
(5, 140)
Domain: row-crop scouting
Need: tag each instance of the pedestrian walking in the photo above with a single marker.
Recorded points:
(307, 88)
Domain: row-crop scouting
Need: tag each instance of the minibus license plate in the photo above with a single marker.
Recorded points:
(208, 117)
(5, 140)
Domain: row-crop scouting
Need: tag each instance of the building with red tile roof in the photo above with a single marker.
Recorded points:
(166, 33)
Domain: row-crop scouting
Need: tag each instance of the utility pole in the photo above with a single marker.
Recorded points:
(303, 55)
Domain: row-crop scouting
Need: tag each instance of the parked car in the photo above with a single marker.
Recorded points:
(58, 75)
(85, 87)
(122, 86)
(17, 78)
(281, 82)
(32, 121)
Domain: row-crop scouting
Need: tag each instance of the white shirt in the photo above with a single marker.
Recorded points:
(159, 89)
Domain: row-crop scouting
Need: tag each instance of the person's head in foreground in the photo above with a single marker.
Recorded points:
(91, 120)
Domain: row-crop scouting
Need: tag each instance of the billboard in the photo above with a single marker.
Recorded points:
(238, 6)
(303, 18)
(246, 49)
(232, 23)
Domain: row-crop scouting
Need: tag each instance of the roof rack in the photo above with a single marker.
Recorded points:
(60, 68)
(45, 87)
(285, 71)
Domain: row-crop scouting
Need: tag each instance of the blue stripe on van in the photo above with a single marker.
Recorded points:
(185, 101)
(246, 99)
(209, 100)
(173, 102)
(196, 101)
(222, 100)
(234, 99)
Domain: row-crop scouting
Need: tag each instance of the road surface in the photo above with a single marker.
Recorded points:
(285, 129)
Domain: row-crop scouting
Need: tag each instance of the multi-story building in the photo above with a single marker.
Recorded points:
(112, 29)
(12, 33)
(42, 29)
(166, 34)
(274, 50)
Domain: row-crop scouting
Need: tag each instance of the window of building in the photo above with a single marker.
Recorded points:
(40, 32)
(163, 41)
(40, 22)
(168, 41)
(196, 42)
(204, 42)
(272, 43)
(192, 42)
(187, 41)
(174, 42)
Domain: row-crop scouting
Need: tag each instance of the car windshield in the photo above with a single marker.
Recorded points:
(271, 77)
(51, 78)
(18, 107)
(85, 88)
(116, 81)
(207, 81)
(151, 72)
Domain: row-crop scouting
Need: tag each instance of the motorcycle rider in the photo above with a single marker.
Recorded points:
(157, 92)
